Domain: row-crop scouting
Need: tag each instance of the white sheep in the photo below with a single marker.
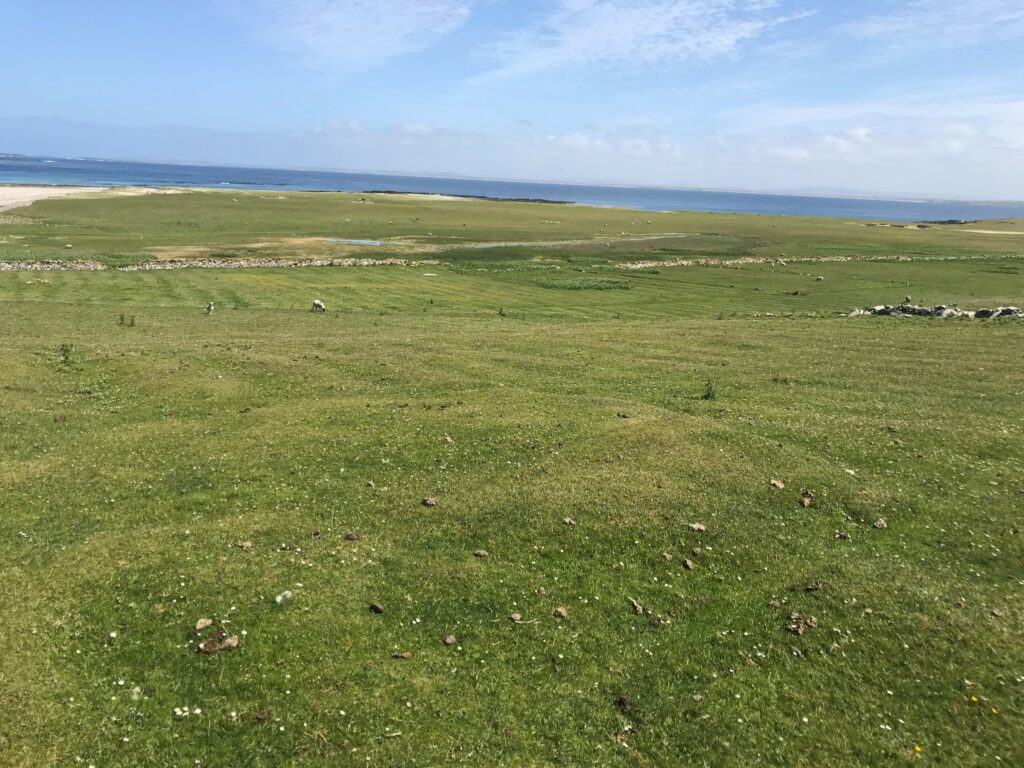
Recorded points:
(319, 306)
(209, 308)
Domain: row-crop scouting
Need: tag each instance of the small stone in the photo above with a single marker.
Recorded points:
(666, 557)
(696, 552)
(805, 501)
(842, 535)
(203, 624)
(450, 640)
(881, 524)
(353, 536)
(688, 565)
(698, 527)
(429, 502)
(370, 484)
(561, 613)
(376, 608)
(777, 484)
(697, 697)
(569, 521)
(516, 617)
(402, 655)
(637, 608)
(542, 592)
(448, 439)
(230, 644)
(481, 553)
(245, 546)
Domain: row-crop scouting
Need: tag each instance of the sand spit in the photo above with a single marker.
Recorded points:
(19, 197)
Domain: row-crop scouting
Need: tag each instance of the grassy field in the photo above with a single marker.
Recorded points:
(118, 227)
(573, 419)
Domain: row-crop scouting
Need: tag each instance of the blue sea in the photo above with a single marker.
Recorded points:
(16, 169)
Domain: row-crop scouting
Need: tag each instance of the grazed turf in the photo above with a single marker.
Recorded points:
(136, 454)
(116, 230)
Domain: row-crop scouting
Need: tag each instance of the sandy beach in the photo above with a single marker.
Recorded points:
(16, 197)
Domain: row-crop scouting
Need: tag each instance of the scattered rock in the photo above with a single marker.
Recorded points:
(376, 608)
(286, 595)
(203, 624)
(481, 553)
(569, 521)
(906, 309)
(777, 484)
(449, 640)
(542, 592)
(429, 502)
(698, 527)
(696, 552)
(880, 524)
(688, 565)
(697, 698)
(448, 439)
(353, 536)
(245, 546)
(218, 642)
(666, 557)
(637, 608)
(402, 655)
(370, 484)
(800, 624)
(805, 501)
(263, 716)
(842, 535)
(516, 617)
(561, 613)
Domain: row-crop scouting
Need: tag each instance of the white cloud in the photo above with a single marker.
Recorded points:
(353, 34)
(626, 33)
(944, 23)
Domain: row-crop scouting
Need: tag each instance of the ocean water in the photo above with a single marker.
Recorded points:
(38, 170)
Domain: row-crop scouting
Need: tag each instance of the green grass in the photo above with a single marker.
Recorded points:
(119, 230)
(135, 459)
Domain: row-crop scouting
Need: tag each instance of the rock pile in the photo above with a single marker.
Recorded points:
(912, 310)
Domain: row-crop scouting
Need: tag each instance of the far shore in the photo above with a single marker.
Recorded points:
(18, 196)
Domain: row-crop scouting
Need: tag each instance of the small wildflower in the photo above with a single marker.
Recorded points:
(917, 748)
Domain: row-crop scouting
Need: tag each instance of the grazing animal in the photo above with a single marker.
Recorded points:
(319, 306)
(209, 308)
(906, 299)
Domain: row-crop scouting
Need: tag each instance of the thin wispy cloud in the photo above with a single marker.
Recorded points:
(354, 34)
(632, 33)
(943, 23)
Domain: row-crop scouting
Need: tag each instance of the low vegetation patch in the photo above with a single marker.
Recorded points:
(585, 283)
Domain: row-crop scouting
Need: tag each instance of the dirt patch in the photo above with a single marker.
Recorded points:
(992, 232)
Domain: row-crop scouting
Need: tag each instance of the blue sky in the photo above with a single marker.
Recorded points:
(898, 97)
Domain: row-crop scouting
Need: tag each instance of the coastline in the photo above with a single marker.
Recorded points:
(14, 196)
